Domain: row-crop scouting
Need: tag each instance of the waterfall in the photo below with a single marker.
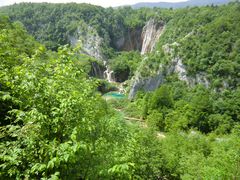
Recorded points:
(108, 74)
(121, 89)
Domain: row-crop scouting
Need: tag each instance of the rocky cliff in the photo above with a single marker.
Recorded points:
(142, 39)
(89, 41)
(97, 70)
(130, 40)
(150, 34)
(175, 65)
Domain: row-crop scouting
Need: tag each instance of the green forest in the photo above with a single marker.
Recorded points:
(66, 110)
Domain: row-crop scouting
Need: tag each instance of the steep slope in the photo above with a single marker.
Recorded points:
(200, 45)
(97, 31)
(59, 24)
(150, 35)
(80, 25)
(52, 24)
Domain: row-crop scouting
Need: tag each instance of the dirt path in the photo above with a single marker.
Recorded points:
(134, 119)
(141, 122)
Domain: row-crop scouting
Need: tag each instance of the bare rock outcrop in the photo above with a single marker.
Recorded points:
(150, 34)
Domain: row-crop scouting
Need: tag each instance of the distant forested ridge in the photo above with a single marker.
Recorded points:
(177, 72)
(188, 3)
(52, 24)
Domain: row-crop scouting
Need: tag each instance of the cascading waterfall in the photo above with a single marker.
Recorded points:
(121, 89)
(108, 74)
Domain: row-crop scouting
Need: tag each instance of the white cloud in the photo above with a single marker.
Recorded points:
(103, 3)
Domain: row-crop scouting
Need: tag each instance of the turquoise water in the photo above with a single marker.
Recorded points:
(114, 95)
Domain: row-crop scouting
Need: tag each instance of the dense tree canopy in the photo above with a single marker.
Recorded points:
(54, 123)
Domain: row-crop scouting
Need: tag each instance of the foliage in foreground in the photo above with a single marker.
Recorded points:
(54, 124)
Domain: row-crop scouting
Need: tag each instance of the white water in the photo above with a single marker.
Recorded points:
(121, 89)
(108, 74)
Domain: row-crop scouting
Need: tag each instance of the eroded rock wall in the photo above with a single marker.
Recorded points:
(131, 40)
(89, 41)
(150, 35)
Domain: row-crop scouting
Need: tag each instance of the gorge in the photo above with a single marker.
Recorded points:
(142, 39)
(119, 93)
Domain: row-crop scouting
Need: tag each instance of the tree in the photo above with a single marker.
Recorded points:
(162, 98)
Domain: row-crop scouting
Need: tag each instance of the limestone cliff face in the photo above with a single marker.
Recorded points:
(89, 41)
(180, 69)
(176, 65)
(146, 84)
(150, 34)
(142, 39)
(130, 40)
(97, 70)
(150, 83)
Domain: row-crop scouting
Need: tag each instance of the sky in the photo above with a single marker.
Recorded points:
(104, 3)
